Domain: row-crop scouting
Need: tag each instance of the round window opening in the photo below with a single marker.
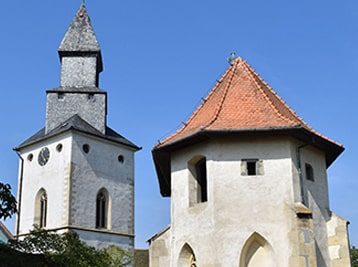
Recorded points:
(59, 147)
(30, 157)
(86, 148)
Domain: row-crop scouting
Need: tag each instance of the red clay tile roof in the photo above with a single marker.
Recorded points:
(241, 100)
(241, 103)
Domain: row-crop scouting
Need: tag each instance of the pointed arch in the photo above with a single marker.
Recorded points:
(187, 257)
(40, 218)
(103, 209)
(257, 252)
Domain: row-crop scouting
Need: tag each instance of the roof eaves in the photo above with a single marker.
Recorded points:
(72, 128)
(159, 234)
(79, 126)
(161, 152)
(198, 109)
(6, 231)
(77, 90)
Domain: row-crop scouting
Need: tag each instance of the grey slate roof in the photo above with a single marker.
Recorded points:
(80, 38)
(80, 35)
(76, 123)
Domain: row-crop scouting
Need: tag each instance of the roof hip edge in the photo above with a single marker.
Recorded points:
(254, 75)
(231, 69)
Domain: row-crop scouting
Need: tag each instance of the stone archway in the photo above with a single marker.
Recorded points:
(256, 252)
(187, 257)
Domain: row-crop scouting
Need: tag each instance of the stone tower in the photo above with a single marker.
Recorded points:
(248, 184)
(77, 174)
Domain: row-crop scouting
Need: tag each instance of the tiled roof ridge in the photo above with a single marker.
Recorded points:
(293, 113)
(218, 110)
(196, 110)
(255, 76)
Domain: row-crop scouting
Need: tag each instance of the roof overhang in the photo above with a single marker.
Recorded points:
(162, 153)
(77, 124)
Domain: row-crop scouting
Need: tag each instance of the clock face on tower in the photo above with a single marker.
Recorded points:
(44, 155)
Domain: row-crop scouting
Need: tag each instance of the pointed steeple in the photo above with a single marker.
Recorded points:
(80, 36)
(81, 63)
(80, 51)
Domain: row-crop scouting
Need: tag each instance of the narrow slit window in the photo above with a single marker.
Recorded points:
(43, 210)
(251, 167)
(202, 180)
(309, 172)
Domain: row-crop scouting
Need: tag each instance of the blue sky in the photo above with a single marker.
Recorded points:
(160, 58)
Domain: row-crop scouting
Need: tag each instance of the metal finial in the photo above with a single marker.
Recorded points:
(231, 58)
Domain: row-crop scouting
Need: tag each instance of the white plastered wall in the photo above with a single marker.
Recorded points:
(237, 205)
(52, 177)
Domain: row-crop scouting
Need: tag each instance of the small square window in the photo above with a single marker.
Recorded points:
(90, 96)
(60, 95)
(251, 167)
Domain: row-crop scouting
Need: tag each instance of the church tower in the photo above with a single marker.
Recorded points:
(77, 174)
(248, 184)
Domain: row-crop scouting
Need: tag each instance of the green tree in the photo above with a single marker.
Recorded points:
(7, 202)
(60, 250)
(354, 255)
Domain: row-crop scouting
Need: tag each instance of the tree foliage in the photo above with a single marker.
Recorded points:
(60, 250)
(7, 202)
(354, 256)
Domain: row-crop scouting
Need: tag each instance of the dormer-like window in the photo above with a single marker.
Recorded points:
(198, 191)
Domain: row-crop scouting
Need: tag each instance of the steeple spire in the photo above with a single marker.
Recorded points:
(80, 36)
(80, 53)
(81, 63)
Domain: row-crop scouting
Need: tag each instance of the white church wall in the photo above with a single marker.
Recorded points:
(101, 168)
(52, 177)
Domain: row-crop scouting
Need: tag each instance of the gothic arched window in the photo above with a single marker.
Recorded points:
(41, 208)
(102, 203)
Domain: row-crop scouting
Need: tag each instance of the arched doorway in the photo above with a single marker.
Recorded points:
(187, 257)
(256, 252)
